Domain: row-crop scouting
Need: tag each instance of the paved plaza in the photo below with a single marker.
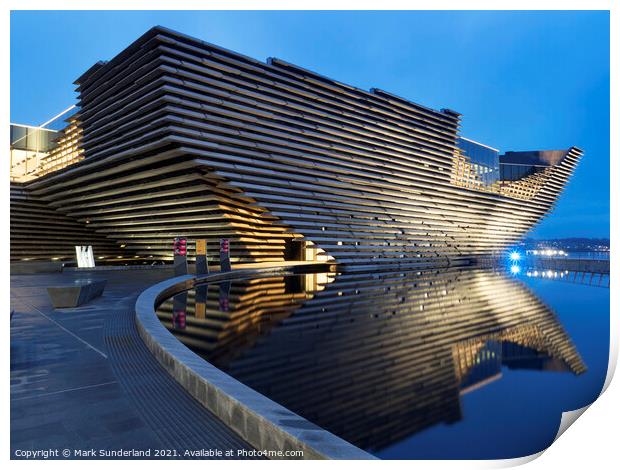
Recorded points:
(82, 378)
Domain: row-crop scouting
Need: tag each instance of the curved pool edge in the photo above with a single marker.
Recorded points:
(263, 423)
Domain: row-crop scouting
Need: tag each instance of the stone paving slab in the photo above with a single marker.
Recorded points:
(82, 377)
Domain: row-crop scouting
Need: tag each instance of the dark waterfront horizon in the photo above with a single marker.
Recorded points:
(452, 363)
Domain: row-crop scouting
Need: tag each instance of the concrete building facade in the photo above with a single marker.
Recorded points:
(178, 137)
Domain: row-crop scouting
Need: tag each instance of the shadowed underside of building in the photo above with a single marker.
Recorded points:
(183, 138)
(40, 232)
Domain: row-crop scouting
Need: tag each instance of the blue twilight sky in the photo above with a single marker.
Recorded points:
(522, 80)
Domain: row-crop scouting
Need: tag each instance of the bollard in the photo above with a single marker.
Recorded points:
(202, 267)
(180, 256)
(224, 255)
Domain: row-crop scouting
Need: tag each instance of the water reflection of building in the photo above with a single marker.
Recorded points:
(221, 320)
(377, 358)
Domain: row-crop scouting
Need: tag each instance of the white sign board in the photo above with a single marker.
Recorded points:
(85, 258)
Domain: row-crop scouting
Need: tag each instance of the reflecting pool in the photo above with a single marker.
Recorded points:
(451, 363)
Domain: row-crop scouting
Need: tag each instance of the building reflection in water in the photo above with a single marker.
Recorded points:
(373, 358)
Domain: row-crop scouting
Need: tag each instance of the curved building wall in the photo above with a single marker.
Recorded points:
(183, 138)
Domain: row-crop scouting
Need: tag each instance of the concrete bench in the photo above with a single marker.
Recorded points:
(76, 294)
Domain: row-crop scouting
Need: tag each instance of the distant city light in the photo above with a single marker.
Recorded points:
(514, 269)
(515, 256)
(548, 252)
(546, 274)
